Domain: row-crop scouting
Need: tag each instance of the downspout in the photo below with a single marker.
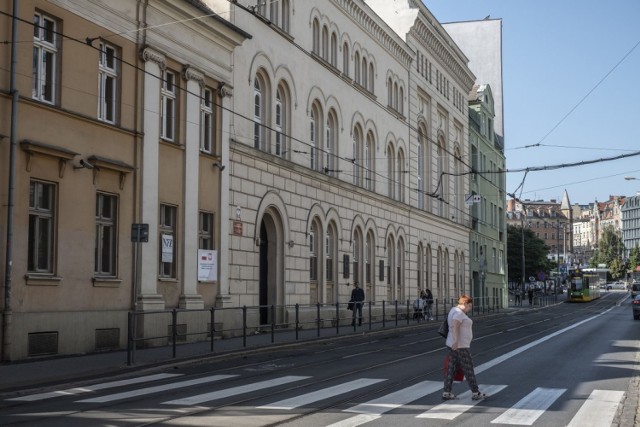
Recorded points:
(7, 313)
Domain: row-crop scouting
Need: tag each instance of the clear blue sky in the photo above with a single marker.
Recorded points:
(555, 52)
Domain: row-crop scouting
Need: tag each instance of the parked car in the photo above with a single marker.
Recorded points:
(635, 289)
(635, 306)
(619, 285)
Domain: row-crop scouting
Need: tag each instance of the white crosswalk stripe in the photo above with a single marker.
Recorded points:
(95, 387)
(598, 410)
(531, 407)
(155, 389)
(453, 408)
(374, 409)
(325, 393)
(233, 391)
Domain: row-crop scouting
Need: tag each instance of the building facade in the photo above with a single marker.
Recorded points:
(488, 232)
(109, 159)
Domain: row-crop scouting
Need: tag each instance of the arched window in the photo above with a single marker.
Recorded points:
(401, 101)
(421, 169)
(371, 77)
(356, 64)
(325, 43)
(331, 260)
(334, 50)
(357, 256)
(441, 179)
(370, 261)
(330, 143)
(364, 79)
(390, 174)
(358, 160)
(313, 138)
(313, 251)
(420, 270)
(284, 22)
(316, 37)
(400, 174)
(391, 258)
(258, 113)
(427, 268)
(400, 291)
(281, 116)
(368, 155)
(458, 190)
(273, 12)
(395, 96)
(390, 92)
(345, 59)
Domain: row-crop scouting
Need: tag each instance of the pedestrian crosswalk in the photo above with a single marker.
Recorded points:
(377, 397)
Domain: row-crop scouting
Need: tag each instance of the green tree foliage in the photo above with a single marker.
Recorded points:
(535, 254)
(609, 252)
(634, 258)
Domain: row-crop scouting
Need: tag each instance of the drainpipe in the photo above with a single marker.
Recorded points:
(7, 314)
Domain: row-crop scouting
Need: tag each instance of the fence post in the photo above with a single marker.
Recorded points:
(273, 323)
(244, 326)
(174, 331)
(384, 315)
(318, 317)
(129, 338)
(213, 327)
(297, 319)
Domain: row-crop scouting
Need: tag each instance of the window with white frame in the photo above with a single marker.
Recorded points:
(205, 230)
(107, 83)
(313, 253)
(281, 147)
(369, 150)
(258, 114)
(106, 253)
(41, 227)
(169, 103)
(330, 145)
(313, 138)
(329, 241)
(45, 58)
(421, 172)
(207, 120)
(167, 229)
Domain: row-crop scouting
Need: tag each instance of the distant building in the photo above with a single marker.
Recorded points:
(631, 223)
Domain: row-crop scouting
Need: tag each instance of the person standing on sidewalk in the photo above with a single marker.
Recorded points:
(459, 343)
(518, 295)
(530, 295)
(357, 298)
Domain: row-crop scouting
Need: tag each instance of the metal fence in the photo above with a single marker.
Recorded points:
(212, 330)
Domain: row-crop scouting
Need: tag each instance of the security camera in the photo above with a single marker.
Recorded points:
(86, 165)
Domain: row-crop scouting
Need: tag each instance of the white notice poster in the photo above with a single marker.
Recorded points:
(167, 247)
(207, 265)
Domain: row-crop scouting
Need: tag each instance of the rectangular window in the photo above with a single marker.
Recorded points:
(41, 227)
(205, 230)
(207, 121)
(169, 95)
(107, 83)
(106, 235)
(45, 58)
(167, 228)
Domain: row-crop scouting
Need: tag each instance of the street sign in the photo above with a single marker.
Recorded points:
(532, 279)
(139, 232)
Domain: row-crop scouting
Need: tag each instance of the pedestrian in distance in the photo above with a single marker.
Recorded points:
(530, 295)
(459, 344)
(357, 298)
(518, 293)
(428, 302)
(418, 307)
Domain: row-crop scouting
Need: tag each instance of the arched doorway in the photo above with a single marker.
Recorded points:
(271, 284)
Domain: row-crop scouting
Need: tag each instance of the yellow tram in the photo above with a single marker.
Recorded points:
(584, 285)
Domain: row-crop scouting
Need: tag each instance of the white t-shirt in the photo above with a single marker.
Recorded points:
(464, 332)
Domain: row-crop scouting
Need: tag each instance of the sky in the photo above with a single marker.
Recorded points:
(571, 71)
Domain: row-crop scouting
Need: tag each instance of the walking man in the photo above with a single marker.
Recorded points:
(357, 298)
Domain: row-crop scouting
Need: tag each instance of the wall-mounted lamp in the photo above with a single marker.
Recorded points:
(83, 165)
(219, 166)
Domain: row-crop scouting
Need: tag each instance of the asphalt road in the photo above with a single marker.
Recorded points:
(567, 365)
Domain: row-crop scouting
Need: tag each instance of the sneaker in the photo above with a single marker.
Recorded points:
(448, 396)
(479, 396)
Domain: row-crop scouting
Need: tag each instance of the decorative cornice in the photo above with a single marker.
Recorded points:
(425, 35)
(190, 73)
(376, 31)
(148, 54)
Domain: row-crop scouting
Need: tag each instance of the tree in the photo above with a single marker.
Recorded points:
(609, 252)
(634, 258)
(535, 254)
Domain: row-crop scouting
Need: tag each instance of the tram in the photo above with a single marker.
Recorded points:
(584, 285)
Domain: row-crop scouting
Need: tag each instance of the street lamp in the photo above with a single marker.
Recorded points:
(630, 178)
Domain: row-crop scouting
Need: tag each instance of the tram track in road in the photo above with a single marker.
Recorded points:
(383, 342)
